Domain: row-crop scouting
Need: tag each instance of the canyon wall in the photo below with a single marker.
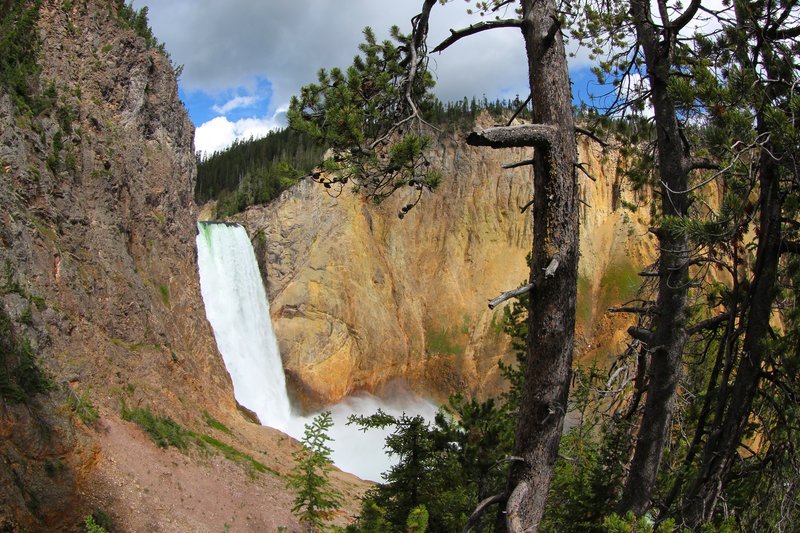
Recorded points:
(361, 298)
(100, 293)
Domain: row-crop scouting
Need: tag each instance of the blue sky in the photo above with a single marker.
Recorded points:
(235, 103)
(243, 59)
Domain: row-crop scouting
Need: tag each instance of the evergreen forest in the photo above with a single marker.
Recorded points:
(256, 171)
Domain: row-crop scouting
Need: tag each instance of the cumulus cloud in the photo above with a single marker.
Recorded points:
(235, 103)
(219, 132)
(230, 49)
(233, 43)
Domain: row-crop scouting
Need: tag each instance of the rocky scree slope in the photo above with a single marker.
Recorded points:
(100, 289)
(361, 299)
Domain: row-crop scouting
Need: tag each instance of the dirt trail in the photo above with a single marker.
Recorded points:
(147, 488)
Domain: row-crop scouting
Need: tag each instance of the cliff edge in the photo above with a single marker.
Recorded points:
(361, 298)
(100, 298)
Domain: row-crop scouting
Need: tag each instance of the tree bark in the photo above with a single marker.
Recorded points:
(521, 135)
(551, 315)
(554, 264)
(669, 332)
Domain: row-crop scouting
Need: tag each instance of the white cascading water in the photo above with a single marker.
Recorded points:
(237, 308)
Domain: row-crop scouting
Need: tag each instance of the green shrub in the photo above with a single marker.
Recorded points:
(38, 301)
(631, 524)
(83, 408)
(20, 377)
(417, 520)
(215, 424)
(163, 430)
(53, 468)
(26, 317)
(164, 289)
(232, 454)
(19, 43)
(92, 526)
(10, 283)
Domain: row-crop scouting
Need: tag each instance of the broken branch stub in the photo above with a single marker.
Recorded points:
(510, 294)
(517, 136)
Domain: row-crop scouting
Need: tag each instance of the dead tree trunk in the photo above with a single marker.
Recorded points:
(554, 263)
(551, 316)
(669, 333)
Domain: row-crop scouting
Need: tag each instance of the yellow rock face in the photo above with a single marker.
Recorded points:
(360, 298)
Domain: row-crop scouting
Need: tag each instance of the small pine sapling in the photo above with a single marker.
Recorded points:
(316, 500)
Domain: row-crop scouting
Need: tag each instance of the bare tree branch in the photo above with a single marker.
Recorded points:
(480, 509)
(641, 334)
(707, 163)
(419, 34)
(519, 109)
(519, 164)
(476, 28)
(510, 294)
(686, 16)
(499, 5)
(522, 135)
(525, 207)
(786, 33)
(709, 323)
(592, 135)
(580, 166)
(649, 310)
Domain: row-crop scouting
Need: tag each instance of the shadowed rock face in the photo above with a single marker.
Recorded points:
(360, 297)
(98, 272)
(97, 233)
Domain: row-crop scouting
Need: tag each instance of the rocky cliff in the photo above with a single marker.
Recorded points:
(100, 299)
(361, 298)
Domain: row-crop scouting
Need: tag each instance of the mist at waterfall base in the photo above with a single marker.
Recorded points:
(362, 452)
(238, 311)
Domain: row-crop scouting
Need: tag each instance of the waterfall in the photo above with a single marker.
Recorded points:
(237, 308)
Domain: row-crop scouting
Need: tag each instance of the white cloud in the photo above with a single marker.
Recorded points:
(232, 43)
(235, 103)
(218, 133)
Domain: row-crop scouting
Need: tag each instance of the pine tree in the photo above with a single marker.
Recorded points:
(712, 360)
(316, 500)
(417, 521)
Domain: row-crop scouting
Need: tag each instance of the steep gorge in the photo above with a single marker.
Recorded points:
(100, 278)
(100, 291)
(361, 299)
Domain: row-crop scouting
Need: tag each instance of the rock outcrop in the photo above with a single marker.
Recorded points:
(360, 298)
(100, 287)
